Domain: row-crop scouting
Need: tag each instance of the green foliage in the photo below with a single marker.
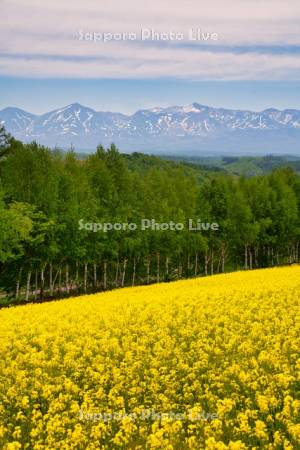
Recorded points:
(15, 228)
(45, 194)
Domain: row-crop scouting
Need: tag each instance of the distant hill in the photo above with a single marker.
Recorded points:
(185, 130)
(247, 166)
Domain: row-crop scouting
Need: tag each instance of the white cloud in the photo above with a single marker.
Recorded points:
(41, 39)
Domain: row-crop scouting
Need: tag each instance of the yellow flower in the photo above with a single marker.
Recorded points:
(205, 363)
(261, 430)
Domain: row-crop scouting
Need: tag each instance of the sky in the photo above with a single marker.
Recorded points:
(125, 56)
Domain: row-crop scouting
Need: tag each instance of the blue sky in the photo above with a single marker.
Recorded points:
(48, 60)
(42, 95)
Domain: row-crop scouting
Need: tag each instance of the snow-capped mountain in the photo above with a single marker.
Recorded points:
(191, 128)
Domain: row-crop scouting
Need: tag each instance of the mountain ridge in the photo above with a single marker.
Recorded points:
(190, 129)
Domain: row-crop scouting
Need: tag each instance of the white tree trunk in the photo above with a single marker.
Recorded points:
(105, 276)
(124, 272)
(28, 286)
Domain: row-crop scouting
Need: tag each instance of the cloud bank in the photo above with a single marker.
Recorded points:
(256, 40)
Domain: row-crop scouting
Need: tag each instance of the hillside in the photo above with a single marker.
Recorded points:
(247, 166)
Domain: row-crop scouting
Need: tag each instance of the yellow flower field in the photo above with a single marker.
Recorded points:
(209, 363)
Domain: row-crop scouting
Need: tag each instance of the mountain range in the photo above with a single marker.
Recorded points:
(193, 129)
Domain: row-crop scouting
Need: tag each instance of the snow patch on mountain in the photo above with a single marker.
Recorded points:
(156, 128)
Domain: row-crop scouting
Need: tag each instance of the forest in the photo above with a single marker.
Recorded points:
(44, 194)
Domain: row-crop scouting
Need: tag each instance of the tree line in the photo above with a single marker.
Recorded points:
(44, 194)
